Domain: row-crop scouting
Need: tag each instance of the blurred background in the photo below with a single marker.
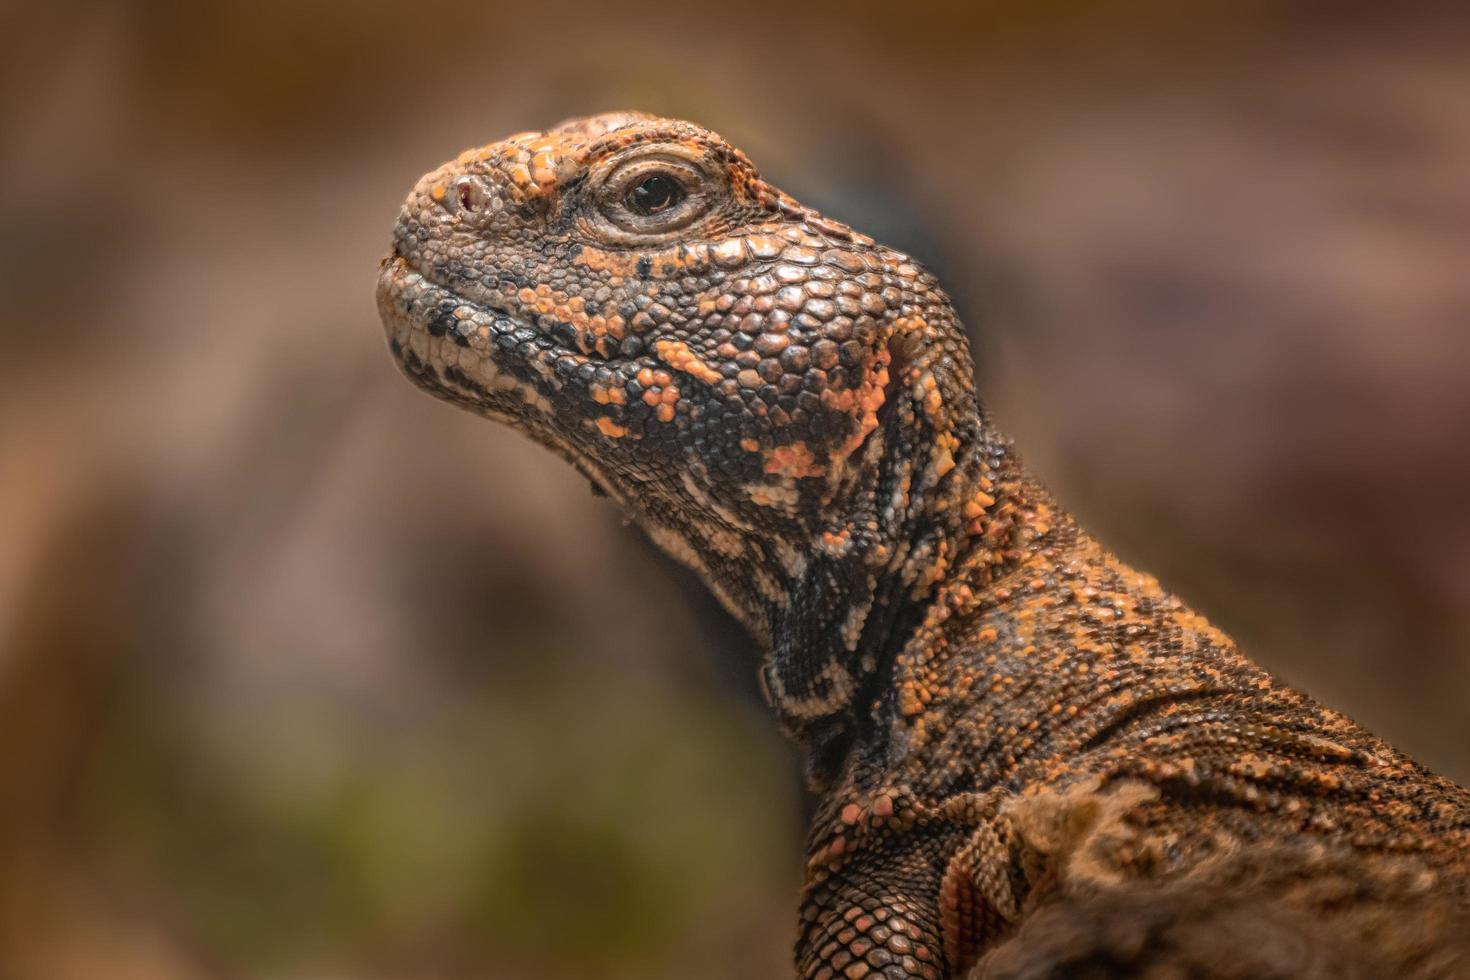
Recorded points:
(304, 674)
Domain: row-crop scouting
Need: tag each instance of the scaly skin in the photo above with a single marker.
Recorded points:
(1032, 759)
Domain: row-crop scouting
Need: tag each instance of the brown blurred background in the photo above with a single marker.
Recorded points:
(305, 675)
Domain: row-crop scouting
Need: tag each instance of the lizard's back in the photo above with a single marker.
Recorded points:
(1124, 794)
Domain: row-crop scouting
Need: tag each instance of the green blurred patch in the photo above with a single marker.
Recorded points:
(573, 826)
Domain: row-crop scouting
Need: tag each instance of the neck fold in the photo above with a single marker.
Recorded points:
(939, 499)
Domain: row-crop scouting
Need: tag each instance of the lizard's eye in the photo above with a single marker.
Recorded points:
(654, 193)
(652, 196)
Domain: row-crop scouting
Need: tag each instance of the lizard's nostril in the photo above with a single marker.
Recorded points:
(468, 195)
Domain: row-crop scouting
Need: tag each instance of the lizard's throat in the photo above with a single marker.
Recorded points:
(871, 577)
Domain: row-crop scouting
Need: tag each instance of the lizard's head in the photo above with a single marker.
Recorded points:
(628, 291)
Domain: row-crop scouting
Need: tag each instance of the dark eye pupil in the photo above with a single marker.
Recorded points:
(655, 193)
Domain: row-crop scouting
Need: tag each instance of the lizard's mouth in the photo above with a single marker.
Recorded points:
(483, 358)
(478, 355)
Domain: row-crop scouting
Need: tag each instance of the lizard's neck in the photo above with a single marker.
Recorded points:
(940, 500)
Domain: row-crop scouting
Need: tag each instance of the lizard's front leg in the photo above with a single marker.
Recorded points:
(899, 889)
(873, 917)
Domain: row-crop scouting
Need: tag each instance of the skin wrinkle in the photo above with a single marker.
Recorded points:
(1005, 723)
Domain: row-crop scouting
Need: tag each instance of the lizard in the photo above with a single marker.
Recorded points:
(1030, 760)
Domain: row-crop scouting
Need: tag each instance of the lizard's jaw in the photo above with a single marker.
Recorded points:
(493, 363)
(477, 356)
(485, 360)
